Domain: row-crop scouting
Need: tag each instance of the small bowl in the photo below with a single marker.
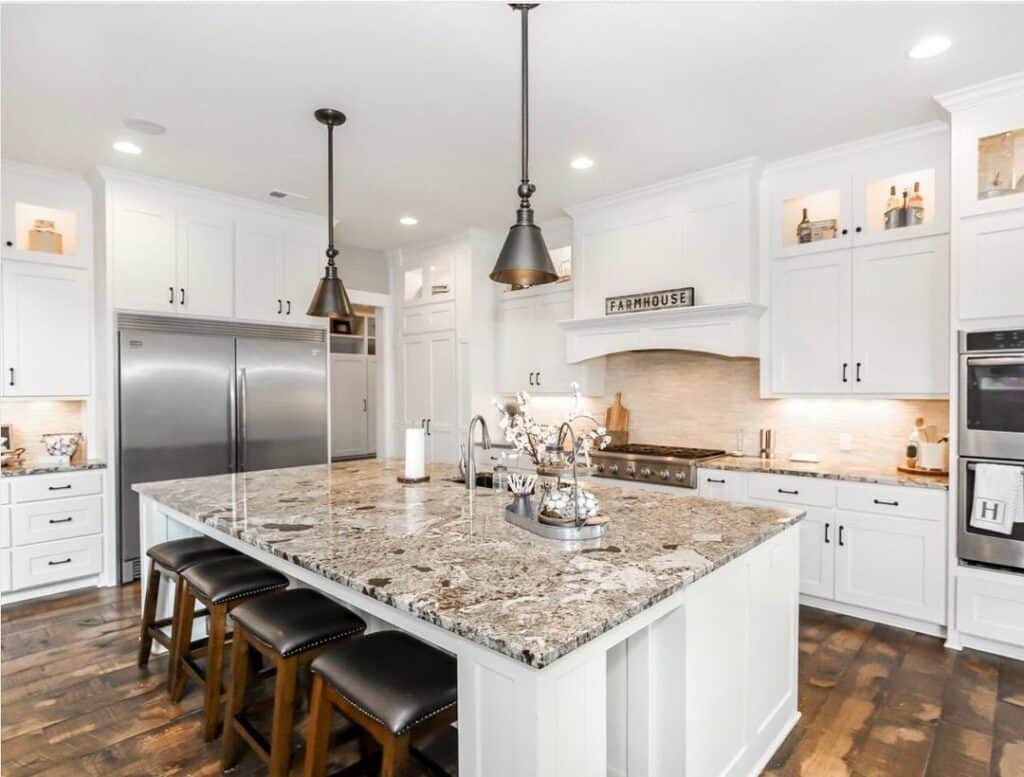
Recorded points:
(62, 443)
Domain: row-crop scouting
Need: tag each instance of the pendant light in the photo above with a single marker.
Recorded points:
(524, 259)
(330, 299)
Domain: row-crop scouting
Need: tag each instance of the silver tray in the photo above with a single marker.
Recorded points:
(553, 532)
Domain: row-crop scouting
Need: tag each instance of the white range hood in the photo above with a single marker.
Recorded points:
(729, 330)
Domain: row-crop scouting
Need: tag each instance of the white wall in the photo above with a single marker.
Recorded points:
(365, 269)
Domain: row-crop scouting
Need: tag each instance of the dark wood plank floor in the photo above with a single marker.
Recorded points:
(876, 701)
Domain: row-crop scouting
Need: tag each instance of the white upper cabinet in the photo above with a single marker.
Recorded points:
(883, 189)
(810, 338)
(901, 317)
(859, 266)
(531, 345)
(991, 265)
(47, 327)
(428, 274)
(206, 260)
(143, 249)
(188, 253)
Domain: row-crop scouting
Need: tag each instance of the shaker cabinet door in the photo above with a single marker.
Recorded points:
(901, 318)
(46, 330)
(143, 245)
(206, 261)
(810, 324)
(258, 284)
(348, 405)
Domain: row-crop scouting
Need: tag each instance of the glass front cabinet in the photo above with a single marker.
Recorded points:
(989, 151)
(890, 191)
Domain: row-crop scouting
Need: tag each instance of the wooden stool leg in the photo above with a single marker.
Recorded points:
(318, 730)
(182, 645)
(284, 716)
(149, 613)
(395, 756)
(172, 650)
(240, 669)
(214, 667)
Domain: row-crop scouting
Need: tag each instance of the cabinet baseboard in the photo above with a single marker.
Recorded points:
(899, 621)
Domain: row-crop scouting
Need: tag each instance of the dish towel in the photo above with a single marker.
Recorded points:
(998, 498)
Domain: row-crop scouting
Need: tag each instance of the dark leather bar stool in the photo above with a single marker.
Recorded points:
(219, 585)
(166, 562)
(392, 686)
(290, 629)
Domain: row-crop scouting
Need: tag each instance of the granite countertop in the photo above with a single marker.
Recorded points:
(888, 476)
(430, 550)
(47, 469)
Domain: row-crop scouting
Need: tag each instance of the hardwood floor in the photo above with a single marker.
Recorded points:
(876, 701)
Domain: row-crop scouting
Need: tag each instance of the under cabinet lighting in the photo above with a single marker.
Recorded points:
(127, 147)
(581, 163)
(408, 221)
(929, 47)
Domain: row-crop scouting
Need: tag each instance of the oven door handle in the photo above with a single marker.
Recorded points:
(995, 361)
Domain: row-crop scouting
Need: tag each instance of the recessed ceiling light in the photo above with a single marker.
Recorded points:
(145, 127)
(581, 163)
(929, 47)
(408, 221)
(127, 147)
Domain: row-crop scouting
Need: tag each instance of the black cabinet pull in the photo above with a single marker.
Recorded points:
(858, 372)
(715, 480)
(883, 502)
(841, 543)
(58, 563)
(12, 375)
(791, 493)
(538, 378)
(845, 365)
(60, 488)
(531, 378)
(280, 307)
(827, 527)
(69, 519)
(170, 290)
(289, 307)
(182, 290)
(428, 427)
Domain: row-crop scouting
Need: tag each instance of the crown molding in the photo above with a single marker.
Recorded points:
(25, 168)
(857, 146)
(969, 96)
(745, 165)
(106, 175)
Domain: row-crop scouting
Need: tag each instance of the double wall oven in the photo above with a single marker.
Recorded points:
(991, 432)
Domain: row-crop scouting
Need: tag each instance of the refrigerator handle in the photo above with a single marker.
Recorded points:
(233, 423)
(242, 422)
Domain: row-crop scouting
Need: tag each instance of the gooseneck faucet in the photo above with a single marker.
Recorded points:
(485, 440)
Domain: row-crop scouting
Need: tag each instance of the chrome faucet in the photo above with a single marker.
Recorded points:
(485, 440)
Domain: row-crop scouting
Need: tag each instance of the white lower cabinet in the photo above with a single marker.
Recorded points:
(54, 528)
(876, 547)
(896, 565)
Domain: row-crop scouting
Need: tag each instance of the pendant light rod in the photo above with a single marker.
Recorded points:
(526, 189)
(331, 250)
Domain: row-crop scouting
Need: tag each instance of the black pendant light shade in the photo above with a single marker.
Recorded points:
(330, 300)
(524, 259)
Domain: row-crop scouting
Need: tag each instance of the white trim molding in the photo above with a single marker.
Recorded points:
(729, 330)
(969, 96)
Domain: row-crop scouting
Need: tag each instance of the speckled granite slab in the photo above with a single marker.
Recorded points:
(432, 551)
(48, 469)
(829, 471)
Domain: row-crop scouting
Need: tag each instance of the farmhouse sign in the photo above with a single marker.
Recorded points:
(649, 300)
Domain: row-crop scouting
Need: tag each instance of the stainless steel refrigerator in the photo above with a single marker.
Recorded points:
(207, 398)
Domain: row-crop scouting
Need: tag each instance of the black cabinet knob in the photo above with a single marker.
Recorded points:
(857, 230)
(845, 231)
(10, 244)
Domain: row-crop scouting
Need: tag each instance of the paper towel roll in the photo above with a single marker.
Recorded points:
(415, 462)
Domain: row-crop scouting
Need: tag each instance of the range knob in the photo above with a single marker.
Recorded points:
(600, 467)
(645, 472)
(613, 469)
(631, 471)
(664, 474)
(680, 476)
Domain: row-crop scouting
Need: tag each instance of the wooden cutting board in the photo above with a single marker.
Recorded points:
(617, 417)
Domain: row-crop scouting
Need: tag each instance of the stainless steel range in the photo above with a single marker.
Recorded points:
(664, 464)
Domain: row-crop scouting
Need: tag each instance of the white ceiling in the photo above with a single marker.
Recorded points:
(650, 91)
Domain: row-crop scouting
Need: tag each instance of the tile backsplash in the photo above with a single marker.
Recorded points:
(702, 400)
(31, 419)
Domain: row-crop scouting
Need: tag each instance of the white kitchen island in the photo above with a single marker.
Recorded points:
(660, 649)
